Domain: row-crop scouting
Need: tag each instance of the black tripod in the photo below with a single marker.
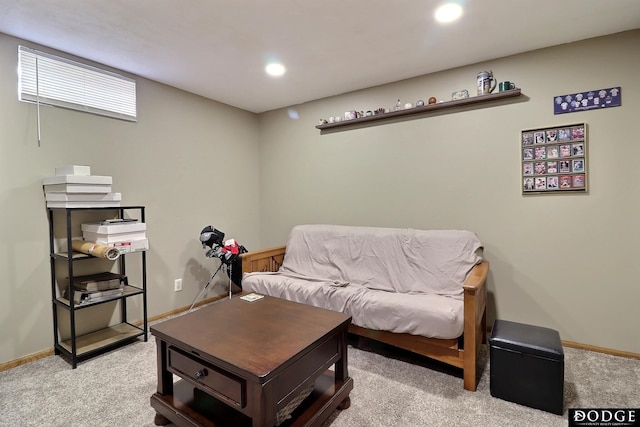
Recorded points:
(206, 287)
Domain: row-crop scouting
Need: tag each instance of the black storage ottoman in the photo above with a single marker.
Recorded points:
(527, 365)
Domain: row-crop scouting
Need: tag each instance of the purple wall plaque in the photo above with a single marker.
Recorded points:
(589, 100)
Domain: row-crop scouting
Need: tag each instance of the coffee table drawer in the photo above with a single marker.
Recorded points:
(211, 379)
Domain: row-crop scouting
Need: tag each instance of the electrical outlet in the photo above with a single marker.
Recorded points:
(177, 285)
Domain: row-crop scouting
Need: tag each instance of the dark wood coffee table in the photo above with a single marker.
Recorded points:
(241, 362)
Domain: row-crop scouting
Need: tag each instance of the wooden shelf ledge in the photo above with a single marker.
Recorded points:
(104, 337)
(481, 99)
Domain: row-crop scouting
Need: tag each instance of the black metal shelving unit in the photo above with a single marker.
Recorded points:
(78, 347)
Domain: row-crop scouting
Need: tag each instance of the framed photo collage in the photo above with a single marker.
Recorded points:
(554, 159)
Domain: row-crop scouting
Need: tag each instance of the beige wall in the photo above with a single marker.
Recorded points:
(191, 161)
(567, 262)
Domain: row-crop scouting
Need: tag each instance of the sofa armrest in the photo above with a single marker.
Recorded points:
(475, 321)
(477, 277)
(262, 260)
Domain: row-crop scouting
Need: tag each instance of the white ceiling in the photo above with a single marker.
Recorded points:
(218, 49)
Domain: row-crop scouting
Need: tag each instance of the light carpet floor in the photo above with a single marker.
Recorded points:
(390, 389)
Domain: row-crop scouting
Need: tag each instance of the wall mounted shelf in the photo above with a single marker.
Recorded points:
(428, 108)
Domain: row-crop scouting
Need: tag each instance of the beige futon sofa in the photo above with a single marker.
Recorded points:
(420, 290)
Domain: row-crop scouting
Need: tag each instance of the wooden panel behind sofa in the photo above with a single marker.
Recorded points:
(449, 351)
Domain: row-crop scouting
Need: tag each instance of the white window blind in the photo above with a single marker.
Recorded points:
(52, 80)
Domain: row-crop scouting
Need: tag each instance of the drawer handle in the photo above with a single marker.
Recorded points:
(200, 374)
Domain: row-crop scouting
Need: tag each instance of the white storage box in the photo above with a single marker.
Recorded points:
(82, 200)
(82, 197)
(73, 170)
(78, 188)
(104, 227)
(105, 239)
(131, 246)
(103, 204)
(78, 179)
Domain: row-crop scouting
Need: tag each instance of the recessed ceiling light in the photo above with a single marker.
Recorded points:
(275, 69)
(448, 12)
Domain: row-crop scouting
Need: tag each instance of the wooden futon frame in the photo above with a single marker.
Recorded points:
(460, 352)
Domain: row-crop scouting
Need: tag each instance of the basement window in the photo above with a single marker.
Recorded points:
(48, 79)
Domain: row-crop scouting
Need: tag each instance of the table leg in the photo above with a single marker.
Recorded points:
(342, 369)
(165, 378)
(341, 366)
(345, 403)
(161, 420)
